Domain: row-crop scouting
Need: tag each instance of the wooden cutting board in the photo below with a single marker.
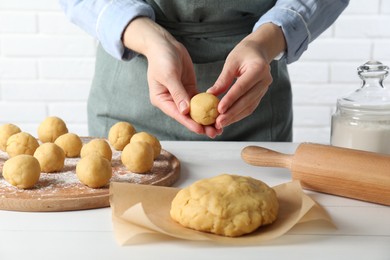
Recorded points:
(62, 191)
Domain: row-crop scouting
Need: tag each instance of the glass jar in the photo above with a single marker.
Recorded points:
(362, 119)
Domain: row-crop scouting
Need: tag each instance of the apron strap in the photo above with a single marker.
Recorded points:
(211, 29)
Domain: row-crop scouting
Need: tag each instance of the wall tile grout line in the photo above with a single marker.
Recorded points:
(47, 63)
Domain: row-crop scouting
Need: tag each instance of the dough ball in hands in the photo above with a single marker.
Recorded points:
(21, 143)
(97, 146)
(94, 171)
(204, 108)
(227, 205)
(138, 157)
(70, 143)
(120, 134)
(22, 171)
(51, 157)
(51, 128)
(6, 131)
(150, 139)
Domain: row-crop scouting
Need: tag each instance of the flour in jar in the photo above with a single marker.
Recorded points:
(372, 137)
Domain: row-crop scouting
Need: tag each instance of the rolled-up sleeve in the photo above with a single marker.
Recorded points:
(302, 21)
(106, 20)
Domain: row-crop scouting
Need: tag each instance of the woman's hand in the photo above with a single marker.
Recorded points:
(246, 74)
(171, 75)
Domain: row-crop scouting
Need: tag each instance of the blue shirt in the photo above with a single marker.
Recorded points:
(301, 21)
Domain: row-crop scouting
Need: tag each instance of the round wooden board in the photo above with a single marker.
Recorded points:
(62, 191)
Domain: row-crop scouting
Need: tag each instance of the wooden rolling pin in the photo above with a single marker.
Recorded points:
(340, 171)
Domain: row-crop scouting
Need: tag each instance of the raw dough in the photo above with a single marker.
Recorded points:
(97, 146)
(138, 157)
(51, 128)
(149, 138)
(120, 134)
(94, 171)
(203, 108)
(228, 205)
(70, 143)
(6, 131)
(51, 157)
(22, 171)
(21, 143)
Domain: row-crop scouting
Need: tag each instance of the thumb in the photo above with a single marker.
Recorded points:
(180, 97)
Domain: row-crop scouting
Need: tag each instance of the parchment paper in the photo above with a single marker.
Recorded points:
(140, 214)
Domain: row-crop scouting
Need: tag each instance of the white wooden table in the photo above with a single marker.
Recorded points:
(363, 229)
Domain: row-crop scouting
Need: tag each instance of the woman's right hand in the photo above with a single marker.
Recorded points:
(171, 75)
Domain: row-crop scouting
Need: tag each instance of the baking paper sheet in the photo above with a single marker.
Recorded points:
(140, 214)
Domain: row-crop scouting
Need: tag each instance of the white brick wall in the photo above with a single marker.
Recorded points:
(328, 69)
(46, 65)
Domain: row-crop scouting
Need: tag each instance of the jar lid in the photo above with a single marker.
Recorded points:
(372, 95)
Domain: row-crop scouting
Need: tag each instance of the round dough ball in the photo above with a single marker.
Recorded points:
(21, 143)
(6, 131)
(94, 171)
(97, 146)
(204, 108)
(150, 139)
(70, 143)
(120, 134)
(51, 157)
(227, 205)
(22, 171)
(138, 157)
(51, 128)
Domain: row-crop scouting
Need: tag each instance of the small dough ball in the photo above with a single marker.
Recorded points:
(6, 131)
(97, 146)
(203, 108)
(21, 143)
(51, 128)
(120, 134)
(70, 143)
(51, 157)
(22, 171)
(94, 171)
(138, 157)
(228, 205)
(149, 138)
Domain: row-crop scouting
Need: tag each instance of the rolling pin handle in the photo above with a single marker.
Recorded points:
(260, 156)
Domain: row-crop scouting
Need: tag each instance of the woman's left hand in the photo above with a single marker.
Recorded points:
(246, 74)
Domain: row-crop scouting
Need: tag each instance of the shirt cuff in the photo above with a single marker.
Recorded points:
(294, 28)
(112, 21)
(280, 56)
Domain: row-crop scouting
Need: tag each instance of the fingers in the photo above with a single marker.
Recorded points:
(244, 96)
(166, 105)
(242, 108)
(212, 132)
(171, 88)
(169, 108)
(255, 76)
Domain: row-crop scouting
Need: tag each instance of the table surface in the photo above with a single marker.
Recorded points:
(363, 229)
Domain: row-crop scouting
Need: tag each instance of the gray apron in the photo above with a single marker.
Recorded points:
(209, 30)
